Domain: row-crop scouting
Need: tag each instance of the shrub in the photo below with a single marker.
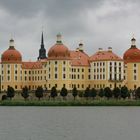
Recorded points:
(53, 92)
(25, 93)
(108, 92)
(74, 92)
(10, 92)
(64, 92)
(124, 92)
(93, 93)
(39, 92)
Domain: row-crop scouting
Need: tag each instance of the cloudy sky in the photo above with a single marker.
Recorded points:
(98, 23)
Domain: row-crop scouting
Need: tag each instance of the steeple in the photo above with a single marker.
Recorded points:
(42, 41)
(42, 50)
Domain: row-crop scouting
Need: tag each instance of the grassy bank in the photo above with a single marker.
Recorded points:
(71, 103)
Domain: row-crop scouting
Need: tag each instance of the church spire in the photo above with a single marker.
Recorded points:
(42, 50)
(42, 40)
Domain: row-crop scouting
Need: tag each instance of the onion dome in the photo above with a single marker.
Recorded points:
(133, 53)
(11, 54)
(59, 50)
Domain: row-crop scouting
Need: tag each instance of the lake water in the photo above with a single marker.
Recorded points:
(69, 123)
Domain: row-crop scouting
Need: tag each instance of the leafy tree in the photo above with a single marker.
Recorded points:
(10, 92)
(116, 92)
(39, 92)
(101, 93)
(64, 92)
(108, 92)
(137, 93)
(87, 93)
(25, 93)
(53, 92)
(93, 93)
(74, 92)
(124, 92)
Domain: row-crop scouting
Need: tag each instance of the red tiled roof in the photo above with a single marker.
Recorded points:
(59, 51)
(79, 58)
(11, 55)
(105, 55)
(32, 65)
(132, 55)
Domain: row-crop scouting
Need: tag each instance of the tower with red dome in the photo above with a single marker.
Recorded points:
(132, 66)
(11, 62)
(11, 55)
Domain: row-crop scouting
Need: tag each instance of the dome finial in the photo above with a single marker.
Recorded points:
(59, 38)
(133, 41)
(11, 43)
(81, 46)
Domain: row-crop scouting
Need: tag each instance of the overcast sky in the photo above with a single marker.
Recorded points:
(98, 23)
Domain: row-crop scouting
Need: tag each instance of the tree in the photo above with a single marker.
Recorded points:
(108, 92)
(74, 92)
(39, 92)
(124, 92)
(87, 93)
(10, 92)
(137, 93)
(101, 93)
(93, 93)
(116, 92)
(53, 92)
(25, 93)
(64, 92)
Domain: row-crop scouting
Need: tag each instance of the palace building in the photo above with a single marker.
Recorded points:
(69, 68)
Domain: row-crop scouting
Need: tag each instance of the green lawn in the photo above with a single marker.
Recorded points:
(82, 102)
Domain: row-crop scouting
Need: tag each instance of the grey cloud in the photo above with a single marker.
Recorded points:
(99, 23)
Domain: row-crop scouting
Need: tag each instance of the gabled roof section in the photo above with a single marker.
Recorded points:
(105, 56)
(32, 65)
(79, 58)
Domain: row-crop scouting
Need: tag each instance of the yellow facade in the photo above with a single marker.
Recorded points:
(105, 69)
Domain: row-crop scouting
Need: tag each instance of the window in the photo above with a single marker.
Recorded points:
(55, 76)
(135, 71)
(55, 69)
(64, 62)
(64, 76)
(55, 62)
(135, 65)
(78, 76)
(8, 71)
(135, 77)
(88, 76)
(15, 71)
(64, 69)
(15, 78)
(8, 78)
(82, 70)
